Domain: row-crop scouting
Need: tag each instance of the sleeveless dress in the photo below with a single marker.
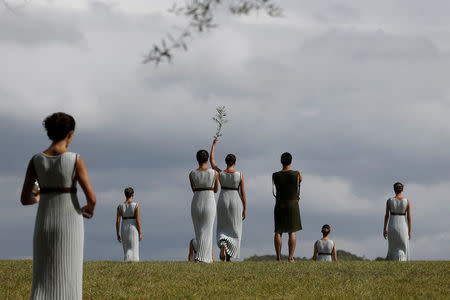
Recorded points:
(58, 232)
(229, 214)
(398, 239)
(286, 211)
(203, 212)
(324, 250)
(129, 232)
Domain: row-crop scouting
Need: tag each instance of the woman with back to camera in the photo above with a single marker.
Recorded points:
(398, 212)
(231, 207)
(131, 230)
(325, 249)
(59, 229)
(204, 183)
(286, 190)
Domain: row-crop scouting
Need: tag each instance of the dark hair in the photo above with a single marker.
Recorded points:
(58, 125)
(286, 159)
(326, 230)
(202, 156)
(128, 192)
(398, 188)
(230, 159)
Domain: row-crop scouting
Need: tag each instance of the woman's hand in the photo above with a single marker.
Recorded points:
(385, 234)
(119, 239)
(215, 141)
(140, 237)
(244, 214)
(87, 211)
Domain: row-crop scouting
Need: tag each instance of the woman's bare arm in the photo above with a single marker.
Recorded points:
(408, 212)
(243, 198)
(118, 225)
(211, 158)
(27, 197)
(386, 218)
(190, 181)
(315, 252)
(83, 179)
(138, 221)
(216, 182)
(334, 252)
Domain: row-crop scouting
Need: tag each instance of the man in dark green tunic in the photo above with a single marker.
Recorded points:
(287, 212)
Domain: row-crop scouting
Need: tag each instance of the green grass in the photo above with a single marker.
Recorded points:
(305, 279)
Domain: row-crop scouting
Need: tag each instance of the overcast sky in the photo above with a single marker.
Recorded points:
(357, 91)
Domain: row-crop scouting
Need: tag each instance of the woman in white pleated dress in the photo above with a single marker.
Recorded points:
(59, 231)
(204, 183)
(398, 213)
(130, 231)
(231, 207)
(325, 249)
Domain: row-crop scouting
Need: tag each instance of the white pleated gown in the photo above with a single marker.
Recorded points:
(129, 232)
(398, 239)
(325, 247)
(203, 212)
(229, 214)
(58, 232)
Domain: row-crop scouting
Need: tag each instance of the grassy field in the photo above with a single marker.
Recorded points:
(306, 279)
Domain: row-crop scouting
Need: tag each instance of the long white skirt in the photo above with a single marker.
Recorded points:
(58, 248)
(398, 239)
(130, 240)
(229, 222)
(203, 212)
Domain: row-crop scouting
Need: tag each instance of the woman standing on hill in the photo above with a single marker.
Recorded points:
(286, 184)
(131, 226)
(204, 182)
(398, 212)
(231, 207)
(325, 249)
(58, 231)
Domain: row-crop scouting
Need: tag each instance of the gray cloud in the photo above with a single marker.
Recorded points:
(34, 28)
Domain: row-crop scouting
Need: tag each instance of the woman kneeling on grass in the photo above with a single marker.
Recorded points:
(325, 249)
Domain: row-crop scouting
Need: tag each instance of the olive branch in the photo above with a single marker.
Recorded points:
(200, 16)
(220, 119)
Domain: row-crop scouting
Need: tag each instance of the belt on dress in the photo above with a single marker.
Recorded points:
(203, 189)
(128, 218)
(278, 201)
(62, 190)
(229, 188)
(321, 253)
(398, 214)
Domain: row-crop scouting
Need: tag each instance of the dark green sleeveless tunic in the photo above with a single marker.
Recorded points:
(286, 212)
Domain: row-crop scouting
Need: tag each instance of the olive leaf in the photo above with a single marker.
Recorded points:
(220, 120)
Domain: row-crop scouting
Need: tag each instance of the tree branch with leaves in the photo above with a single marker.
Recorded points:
(201, 15)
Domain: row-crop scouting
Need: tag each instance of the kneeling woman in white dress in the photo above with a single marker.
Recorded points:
(204, 183)
(231, 207)
(131, 226)
(398, 212)
(325, 249)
